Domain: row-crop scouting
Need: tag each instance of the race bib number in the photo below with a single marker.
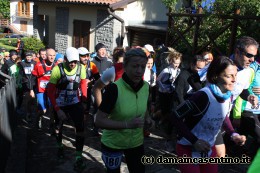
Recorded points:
(43, 84)
(28, 70)
(112, 160)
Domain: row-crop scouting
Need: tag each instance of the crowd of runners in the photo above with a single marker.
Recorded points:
(200, 105)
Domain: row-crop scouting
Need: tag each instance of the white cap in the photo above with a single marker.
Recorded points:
(83, 51)
(149, 47)
(72, 54)
(206, 56)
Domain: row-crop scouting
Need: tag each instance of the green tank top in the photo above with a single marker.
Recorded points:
(129, 104)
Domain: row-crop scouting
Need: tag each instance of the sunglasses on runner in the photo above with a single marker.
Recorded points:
(86, 55)
(74, 62)
(248, 55)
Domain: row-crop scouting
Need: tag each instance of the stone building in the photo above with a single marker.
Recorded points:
(64, 23)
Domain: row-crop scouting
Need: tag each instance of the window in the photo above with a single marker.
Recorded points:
(23, 8)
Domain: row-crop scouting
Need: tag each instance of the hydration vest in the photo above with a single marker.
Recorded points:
(68, 86)
(65, 80)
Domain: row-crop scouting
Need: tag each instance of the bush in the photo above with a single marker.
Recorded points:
(6, 46)
(32, 44)
(29, 43)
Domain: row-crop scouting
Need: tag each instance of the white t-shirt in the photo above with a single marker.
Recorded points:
(147, 77)
(242, 82)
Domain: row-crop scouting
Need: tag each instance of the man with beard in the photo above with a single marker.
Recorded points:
(92, 76)
(66, 80)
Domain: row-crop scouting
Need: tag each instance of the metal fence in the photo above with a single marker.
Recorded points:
(7, 117)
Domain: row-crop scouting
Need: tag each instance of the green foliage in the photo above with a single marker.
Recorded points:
(7, 47)
(170, 4)
(5, 8)
(213, 23)
(32, 44)
(8, 41)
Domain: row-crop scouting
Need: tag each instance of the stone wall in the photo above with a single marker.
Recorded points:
(35, 14)
(104, 32)
(62, 27)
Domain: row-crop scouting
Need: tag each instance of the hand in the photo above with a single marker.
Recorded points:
(32, 94)
(136, 122)
(87, 81)
(253, 100)
(239, 139)
(256, 90)
(61, 115)
(201, 146)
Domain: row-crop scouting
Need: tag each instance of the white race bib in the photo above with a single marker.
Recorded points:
(28, 70)
(43, 83)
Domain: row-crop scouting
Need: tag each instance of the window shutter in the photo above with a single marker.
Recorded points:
(20, 8)
(28, 8)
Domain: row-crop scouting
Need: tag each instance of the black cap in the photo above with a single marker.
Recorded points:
(29, 53)
(13, 52)
(99, 46)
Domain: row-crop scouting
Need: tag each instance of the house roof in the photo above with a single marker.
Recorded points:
(120, 4)
(93, 2)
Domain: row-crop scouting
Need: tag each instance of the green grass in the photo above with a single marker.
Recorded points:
(4, 43)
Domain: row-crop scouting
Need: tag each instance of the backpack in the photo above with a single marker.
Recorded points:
(63, 82)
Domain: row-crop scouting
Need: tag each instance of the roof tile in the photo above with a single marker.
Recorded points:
(101, 2)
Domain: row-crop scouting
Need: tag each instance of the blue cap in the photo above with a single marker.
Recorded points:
(58, 56)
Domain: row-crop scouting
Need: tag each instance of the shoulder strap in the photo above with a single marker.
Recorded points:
(62, 73)
(88, 69)
(22, 64)
(78, 72)
(43, 66)
(170, 75)
(79, 69)
(152, 76)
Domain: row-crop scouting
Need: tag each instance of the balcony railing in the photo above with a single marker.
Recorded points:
(24, 14)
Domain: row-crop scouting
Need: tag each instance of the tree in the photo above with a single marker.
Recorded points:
(5, 8)
(212, 24)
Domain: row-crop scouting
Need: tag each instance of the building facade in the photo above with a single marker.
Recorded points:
(21, 17)
(64, 23)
